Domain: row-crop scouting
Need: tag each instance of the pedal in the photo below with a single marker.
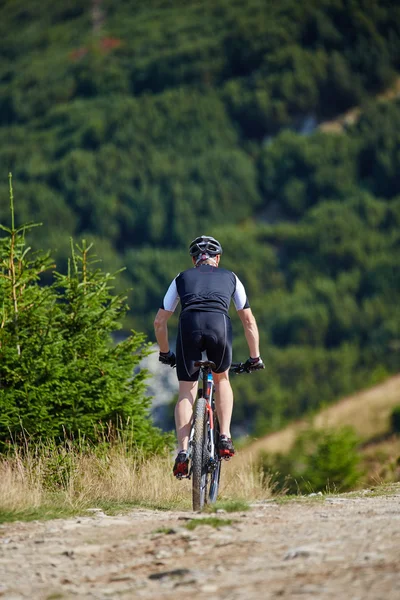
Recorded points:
(225, 454)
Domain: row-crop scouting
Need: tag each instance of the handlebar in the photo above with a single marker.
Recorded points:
(239, 368)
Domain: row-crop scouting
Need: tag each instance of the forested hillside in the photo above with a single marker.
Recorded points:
(141, 124)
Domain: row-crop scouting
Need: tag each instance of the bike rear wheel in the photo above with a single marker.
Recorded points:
(200, 455)
(216, 473)
(214, 483)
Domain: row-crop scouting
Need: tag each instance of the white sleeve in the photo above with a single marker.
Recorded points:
(239, 297)
(171, 298)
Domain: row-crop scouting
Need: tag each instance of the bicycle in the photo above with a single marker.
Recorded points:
(205, 462)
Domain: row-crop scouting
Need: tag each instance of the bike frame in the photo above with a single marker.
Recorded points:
(205, 463)
(207, 392)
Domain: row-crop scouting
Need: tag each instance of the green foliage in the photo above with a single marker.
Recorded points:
(228, 506)
(377, 133)
(171, 119)
(210, 521)
(320, 460)
(165, 530)
(297, 172)
(61, 375)
(43, 513)
(395, 419)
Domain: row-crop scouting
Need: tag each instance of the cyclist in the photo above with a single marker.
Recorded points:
(205, 293)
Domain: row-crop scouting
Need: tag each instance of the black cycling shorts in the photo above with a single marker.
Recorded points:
(198, 332)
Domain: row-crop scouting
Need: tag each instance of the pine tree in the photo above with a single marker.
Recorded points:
(61, 372)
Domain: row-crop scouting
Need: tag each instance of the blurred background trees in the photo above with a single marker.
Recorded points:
(142, 124)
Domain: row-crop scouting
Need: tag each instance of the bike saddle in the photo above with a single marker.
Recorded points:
(206, 363)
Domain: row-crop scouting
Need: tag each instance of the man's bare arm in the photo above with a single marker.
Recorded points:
(250, 331)
(161, 328)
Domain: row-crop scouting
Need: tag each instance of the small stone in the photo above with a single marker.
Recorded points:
(121, 577)
(373, 556)
(163, 554)
(301, 551)
(96, 512)
(173, 573)
(108, 591)
(209, 588)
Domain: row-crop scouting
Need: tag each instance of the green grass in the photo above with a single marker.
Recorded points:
(165, 530)
(229, 506)
(299, 498)
(61, 511)
(385, 489)
(211, 521)
(42, 513)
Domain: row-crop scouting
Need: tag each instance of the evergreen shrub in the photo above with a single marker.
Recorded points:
(61, 374)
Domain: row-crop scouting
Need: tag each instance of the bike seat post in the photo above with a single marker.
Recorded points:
(206, 368)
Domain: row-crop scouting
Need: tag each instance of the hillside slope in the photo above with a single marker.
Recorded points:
(367, 411)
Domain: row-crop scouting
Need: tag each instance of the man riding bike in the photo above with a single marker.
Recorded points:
(205, 293)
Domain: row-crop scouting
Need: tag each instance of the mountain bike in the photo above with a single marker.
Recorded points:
(205, 462)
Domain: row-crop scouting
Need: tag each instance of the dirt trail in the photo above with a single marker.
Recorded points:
(339, 547)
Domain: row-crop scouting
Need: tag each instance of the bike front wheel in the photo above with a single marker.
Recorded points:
(200, 455)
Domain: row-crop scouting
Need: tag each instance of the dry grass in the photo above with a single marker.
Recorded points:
(381, 461)
(242, 479)
(368, 412)
(74, 480)
(19, 486)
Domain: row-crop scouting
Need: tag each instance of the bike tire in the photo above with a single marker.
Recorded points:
(214, 483)
(199, 456)
(216, 474)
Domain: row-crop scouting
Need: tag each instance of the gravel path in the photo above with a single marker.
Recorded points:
(339, 547)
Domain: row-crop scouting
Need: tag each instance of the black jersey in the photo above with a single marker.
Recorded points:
(206, 288)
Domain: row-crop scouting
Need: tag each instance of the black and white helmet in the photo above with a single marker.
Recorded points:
(205, 244)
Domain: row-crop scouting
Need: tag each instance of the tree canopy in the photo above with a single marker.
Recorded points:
(139, 125)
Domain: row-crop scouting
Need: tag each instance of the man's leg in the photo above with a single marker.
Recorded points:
(184, 412)
(224, 401)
